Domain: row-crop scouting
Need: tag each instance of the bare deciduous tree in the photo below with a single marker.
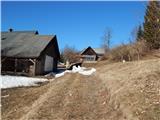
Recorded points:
(106, 39)
(70, 54)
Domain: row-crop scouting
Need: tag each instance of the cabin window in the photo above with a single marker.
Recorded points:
(89, 58)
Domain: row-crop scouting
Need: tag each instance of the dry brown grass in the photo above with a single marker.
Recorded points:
(18, 99)
(117, 91)
(135, 86)
(129, 52)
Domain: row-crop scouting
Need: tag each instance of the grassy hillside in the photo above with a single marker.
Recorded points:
(134, 88)
(117, 91)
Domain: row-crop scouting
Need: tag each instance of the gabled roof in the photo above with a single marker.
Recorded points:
(89, 48)
(99, 51)
(23, 44)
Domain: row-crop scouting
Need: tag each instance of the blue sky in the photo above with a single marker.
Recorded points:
(79, 24)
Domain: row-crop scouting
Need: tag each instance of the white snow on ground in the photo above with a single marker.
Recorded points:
(59, 74)
(80, 70)
(17, 81)
(76, 69)
(88, 72)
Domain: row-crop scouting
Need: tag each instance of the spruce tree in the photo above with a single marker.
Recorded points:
(152, 25)
(139, 33)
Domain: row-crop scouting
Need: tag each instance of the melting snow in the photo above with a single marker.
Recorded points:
(59, 74)
(80, 70)
(17, 81)
(88, 72)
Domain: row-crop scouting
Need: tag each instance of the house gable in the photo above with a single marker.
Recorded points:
(89, 51)
(51, 51)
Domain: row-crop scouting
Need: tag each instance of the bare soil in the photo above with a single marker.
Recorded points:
(117, 91)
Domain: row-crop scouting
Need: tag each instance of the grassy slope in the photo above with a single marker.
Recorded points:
(134, 87)
(117, 91)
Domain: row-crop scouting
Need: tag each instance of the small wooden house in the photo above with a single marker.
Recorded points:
(90, 55)
(28, 53)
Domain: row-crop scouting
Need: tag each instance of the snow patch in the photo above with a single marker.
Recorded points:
(80, 70)
(7, 81)
(88, 72)
(59, 74)
(17, 81)
(76, 69)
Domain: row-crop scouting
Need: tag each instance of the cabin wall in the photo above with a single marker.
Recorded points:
(89, 57)
(17, 66)
(7, 64)
(51, 50)
(39, 66)
(55, 64)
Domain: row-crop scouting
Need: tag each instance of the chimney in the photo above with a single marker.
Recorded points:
(10, 30)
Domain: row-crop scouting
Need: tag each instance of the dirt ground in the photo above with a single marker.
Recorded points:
(116, 91)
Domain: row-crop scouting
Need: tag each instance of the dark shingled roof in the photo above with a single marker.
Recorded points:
(84, 50)
(23, 44)
(98, 51)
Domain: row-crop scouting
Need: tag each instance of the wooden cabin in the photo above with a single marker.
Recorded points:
(91, 55)
(28, 53)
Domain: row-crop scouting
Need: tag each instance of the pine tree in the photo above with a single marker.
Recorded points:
(139, 33)
(152, 25)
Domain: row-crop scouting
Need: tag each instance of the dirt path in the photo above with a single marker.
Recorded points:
(74, 97)
(44, 99)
